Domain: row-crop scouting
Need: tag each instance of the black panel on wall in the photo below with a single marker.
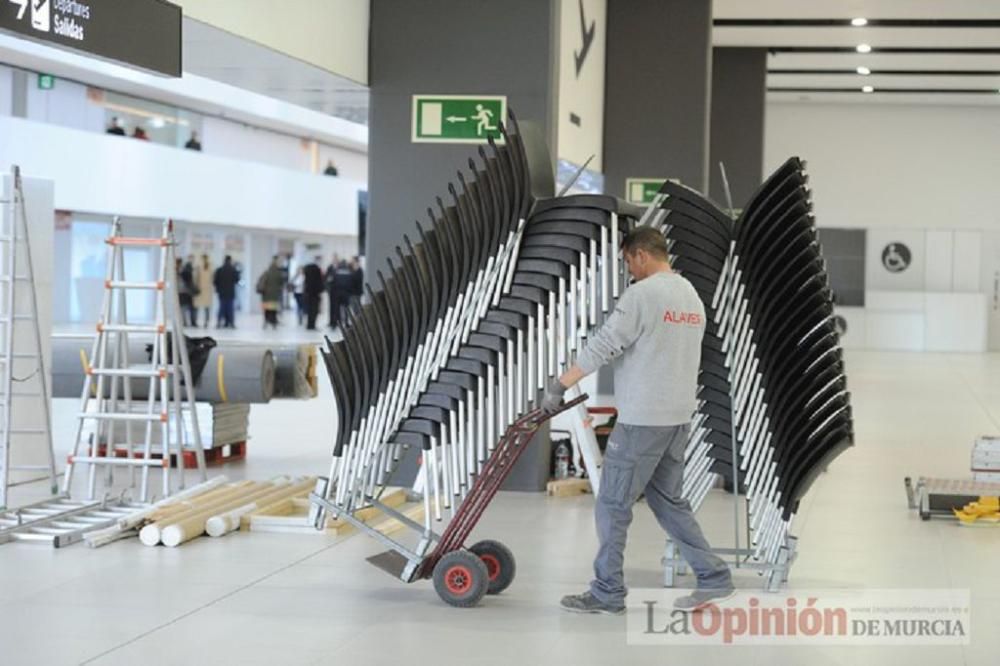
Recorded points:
(844, 251)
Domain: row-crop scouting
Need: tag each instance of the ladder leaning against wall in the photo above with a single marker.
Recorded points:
(23, 378)
(154, 428)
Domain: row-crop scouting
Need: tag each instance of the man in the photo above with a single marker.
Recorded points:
(313, 288)
(225, 280)
(343, 288)
(357, 279)
(331, 294)
(331, 169)
(654, 336)
(116, 127)
(193, 143)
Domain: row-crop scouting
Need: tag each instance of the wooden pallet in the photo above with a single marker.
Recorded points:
(217, 455)
(568, 487)
(292, 516)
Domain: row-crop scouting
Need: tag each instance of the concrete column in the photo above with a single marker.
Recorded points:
(656, 113)
(445, 47)
(739, 89)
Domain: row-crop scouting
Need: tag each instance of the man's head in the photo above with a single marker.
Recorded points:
(276, 260)
(228, 260)
(645, 252)
(318, 259)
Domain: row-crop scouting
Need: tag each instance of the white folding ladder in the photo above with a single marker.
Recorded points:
(22, 367)
(106, 400)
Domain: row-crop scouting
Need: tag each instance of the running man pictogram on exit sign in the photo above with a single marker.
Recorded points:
(458, 118)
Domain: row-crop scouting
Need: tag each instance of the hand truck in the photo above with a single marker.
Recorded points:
(462, 576)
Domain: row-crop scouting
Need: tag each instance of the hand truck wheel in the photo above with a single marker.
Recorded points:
(461, 579)
(500, 564)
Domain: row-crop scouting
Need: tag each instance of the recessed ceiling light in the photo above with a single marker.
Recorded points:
(859, 22)
(867, 89)
(863, 71)
(864, 48)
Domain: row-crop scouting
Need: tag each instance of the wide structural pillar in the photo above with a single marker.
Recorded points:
(445, 47)
(739, 91)
(658, 88)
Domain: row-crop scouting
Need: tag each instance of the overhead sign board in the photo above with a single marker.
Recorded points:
(642, 191)
(144, 34)
(458, 118)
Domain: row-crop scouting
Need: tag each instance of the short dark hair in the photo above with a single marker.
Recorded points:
(646, 238)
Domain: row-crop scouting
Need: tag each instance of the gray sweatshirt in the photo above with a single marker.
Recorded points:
(654, 336)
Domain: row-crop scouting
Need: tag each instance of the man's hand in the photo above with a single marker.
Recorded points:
(553, 397)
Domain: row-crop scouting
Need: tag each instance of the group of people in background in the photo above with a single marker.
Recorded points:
(342, 281)
(116, 128)
(195, 283)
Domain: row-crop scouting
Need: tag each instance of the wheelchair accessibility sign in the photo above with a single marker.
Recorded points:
(896, 257)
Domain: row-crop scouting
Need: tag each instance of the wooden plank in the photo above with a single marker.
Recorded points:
(568, 487)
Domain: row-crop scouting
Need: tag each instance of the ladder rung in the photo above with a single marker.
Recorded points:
(28, 431)
(127, 462)
(114, 416)
(18, 278)
(28, 468)
(143, 242)
(129, 372)
(132, 328)
(20, 316)
(3, 359)
(125, 284)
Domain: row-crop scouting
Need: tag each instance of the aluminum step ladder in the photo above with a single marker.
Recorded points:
(23, 374)
(61, 522)
(106, 400)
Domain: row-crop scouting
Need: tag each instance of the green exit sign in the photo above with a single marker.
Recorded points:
(642, 191)
(46, 82)
(458, 118)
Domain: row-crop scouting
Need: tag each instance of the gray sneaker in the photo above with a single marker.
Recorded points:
(703, 597)
(588, 603)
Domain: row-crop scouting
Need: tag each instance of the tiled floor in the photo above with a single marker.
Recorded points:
(274, 599)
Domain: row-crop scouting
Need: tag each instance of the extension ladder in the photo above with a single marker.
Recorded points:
(107, 392)
(20, 365)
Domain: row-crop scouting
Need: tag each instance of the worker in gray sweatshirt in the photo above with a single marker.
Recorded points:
(654, 339)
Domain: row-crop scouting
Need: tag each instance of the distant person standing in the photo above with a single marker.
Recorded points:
(203, 281)
(183, 284)
(140, 133)
(193, 143)
(314, 287)
(271, 287)
(357, 279)
(331, 169)
(343, 287)
(225, 280)
(298, 287)
(116, 127)
(331, 296)
(191, 286)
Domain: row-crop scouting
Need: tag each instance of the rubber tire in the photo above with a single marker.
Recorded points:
(503, 557)
(472, 577)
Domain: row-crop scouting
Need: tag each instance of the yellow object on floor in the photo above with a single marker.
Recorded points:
(986, 510)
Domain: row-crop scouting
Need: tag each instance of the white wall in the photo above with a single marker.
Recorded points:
(893, 165)
(102, 174)
(6, 88)
(350, 163)
(65, 104)
(242, 142)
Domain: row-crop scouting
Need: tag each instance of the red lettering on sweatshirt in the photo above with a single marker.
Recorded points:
(689, 318)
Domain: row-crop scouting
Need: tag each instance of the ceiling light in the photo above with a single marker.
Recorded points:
(863, 71)
(864, 48)
(157, 122)
(867, 89)
(859, 22)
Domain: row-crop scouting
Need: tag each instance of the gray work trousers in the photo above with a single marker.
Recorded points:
(650, 459)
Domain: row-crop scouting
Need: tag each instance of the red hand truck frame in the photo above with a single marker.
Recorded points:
(462, 576)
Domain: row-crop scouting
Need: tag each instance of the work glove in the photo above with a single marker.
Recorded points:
(553, 397)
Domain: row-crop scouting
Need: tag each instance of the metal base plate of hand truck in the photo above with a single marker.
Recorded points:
(61, 521)
(462, 576)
